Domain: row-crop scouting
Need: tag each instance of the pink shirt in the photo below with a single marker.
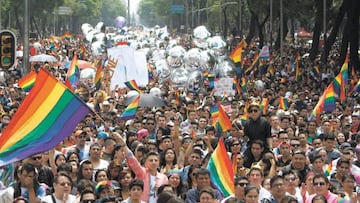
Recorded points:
(330, 197)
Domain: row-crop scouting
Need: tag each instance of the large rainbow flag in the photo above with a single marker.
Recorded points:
(28, 81)
(130, 111)
(325, 103)
(220, 119)
(48, 115)
(236, 54)
(221, 170)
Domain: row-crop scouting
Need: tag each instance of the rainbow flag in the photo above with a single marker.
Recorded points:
(328, 169)
(344, 199)
(236, 54)
(27, 82)
(236, 86)
(131, 84)
(221, 170)
(211, 79)
(243, 84)
(224, 123)
(73, 74)
(317, 69)
(356, 88)
(271, 70)
(254, 64)
(82, 52)
(48, 114)
(264, 105)
(325, 103)
(177, 97)
(283, 103)
(243, 119)
(130, 111)
(214, 111)
(297, 69)
(67, 36)
(97, 79)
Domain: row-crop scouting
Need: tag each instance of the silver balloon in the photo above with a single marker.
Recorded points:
(195, 81)
(155, 91)
(192, 57)
(201, 34)
(207, 61)
(179, 78)
(132, 93)
(225, 69)
(259, 85)
(217, 45)
(163, 70)
(87, 74)
(176, 56)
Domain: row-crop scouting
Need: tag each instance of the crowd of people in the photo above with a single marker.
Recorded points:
(161, 155)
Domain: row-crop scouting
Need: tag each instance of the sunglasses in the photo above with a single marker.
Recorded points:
(65, 184)
(36, 158)
(253, 111)
(319, 184)
(242, 184)
(150, 123)
(88, 201)
(295, 145)
(235, 144)
(290, 179)
(81, 136)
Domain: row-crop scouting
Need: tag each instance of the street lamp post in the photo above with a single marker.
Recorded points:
(281, 29)
(324, 28)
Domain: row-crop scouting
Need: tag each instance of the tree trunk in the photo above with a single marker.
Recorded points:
(225, 24)
(252, 28)
(335, 29)
(285, 31)
(353, 16)
(317, 29)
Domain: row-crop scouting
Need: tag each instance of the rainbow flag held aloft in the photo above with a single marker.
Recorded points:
(98, 75)
(48, 114)
(236, 54)
(132, 85)
(236, 86)
(221, 170)
(73, 74)
(328, 169)
(356, 88)
(325, 103)
(264, 105)
(67, 36)
(297, 69)
(130, 111)
(28, 81)
(223, 121)
(243, 84)
(214, 111)
(254, 64)
(82, 52)
(283, 103)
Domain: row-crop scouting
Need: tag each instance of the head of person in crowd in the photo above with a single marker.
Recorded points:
(240, 184)
(321, 184)
(87, 196)
(95, 151)
(130, 137)
(136, 189)
(101, 175)
(80, 139)
(27, 177)
(165, 188)
(207, 195)
(291, 180)
(289, 199)
(152, 146)
(104, 189)
(254, 111)
(294, 143)
(256, 176)
(62, 185)
(277, 188)
(298, 160)
(317, 163)
(251, 194)
(176, 182)
(125, 178)
(73, 156)
(20, 199)
(114, 170)
(166, 142)
(195, 157)
(86, 170)
(319, 199)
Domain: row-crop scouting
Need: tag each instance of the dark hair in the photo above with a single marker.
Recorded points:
(347, 175)
(275, 178)
(248, 188)
(209, 191)
(58, 156)
(288, 199)
(323, 176)
(137, 182)
(65, 167)
(28, 168)
(84, 184)
(84, 192)
(162, 187)
(57, 176)
(71, 153)
(163, 161)
(191, 170)
(97, 173)
(80, 174)
(342, 161)
(319, 197)
(151, 154)
(20, 198)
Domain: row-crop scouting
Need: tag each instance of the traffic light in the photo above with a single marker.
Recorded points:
(8, 49)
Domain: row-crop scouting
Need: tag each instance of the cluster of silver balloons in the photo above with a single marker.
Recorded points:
(186, 69)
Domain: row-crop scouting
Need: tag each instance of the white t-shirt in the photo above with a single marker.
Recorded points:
(152, 195)
(48, 199)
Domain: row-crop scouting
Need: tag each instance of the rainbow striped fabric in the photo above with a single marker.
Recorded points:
(48, 115)
(73, 74)
(28, 81)
(130, 111)
(132, 85)
(325, 103)
(220, 120)
(67, 36)
(264, 105)
(221, 170)
(283, 103)
(297, 68)
(98, 75)
(236, 54)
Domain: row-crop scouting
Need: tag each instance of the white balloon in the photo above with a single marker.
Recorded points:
(155, 92)
(132, 93)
